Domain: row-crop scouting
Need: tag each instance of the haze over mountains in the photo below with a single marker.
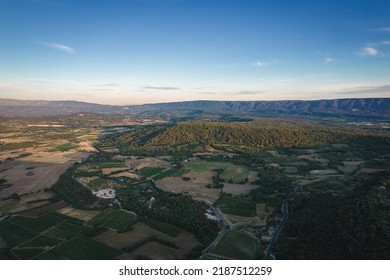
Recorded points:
(356, 107)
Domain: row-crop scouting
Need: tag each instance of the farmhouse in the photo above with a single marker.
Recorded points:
(105, 193)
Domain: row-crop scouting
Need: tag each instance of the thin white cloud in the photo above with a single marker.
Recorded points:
(369, 51)
(328, 60)
(250, 92)
(382, 43)
(160, 88)
(259, 63)
(60, 47)
(383, 29)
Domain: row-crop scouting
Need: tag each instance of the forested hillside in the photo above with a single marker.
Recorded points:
(247, 137)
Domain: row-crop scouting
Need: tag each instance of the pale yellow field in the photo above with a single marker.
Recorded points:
(196, 190)
(138, 163)
(109, 170)
(42, 167)
(43, 176)
(84, 215)
(26, 202)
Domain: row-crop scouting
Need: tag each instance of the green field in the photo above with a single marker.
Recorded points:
(36, 224)
(119, 220)
(238, 245)
(16, 146)
(236, 173)
(202, 165)
(164, 227)
(67, 218)
(101, 183)
(150, 171)
(81, 248)
(27, 254)
(111, 164)
(376, 164)
(236, 205)
(64, 147)
(67, 231)
(14, 235)
(27, 233)
(167, 173)
(41, 241)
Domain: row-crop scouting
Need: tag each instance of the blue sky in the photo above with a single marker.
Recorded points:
(145, 51)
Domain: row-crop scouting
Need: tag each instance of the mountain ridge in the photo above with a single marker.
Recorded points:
(377, 107)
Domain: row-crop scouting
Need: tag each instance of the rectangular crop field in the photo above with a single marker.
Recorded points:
(82, 248)
(27, 254)
(151, 171)
(112, 164)
(14, 235)
(236, 205)
(64, 147)
(236, 173)
(163, 227)
(201, 165)
(238, 245)
(36, 224)
(41, 241)
(67, 231)
(101, 183)
(166, 173)
(120, 220)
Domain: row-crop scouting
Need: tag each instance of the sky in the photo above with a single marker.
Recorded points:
(148, 51)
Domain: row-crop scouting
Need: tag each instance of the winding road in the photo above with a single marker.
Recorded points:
(220, 233)
(284, 211)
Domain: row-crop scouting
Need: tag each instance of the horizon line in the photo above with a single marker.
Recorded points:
(184, 101)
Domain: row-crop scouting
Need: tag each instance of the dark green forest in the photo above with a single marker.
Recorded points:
(353, 224)
(190, 137)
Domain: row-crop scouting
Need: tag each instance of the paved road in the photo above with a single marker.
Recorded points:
(220, 234)
(284, 211)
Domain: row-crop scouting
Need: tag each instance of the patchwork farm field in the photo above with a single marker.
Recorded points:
(120, 220)
(238, 245)
(80, 248)
(26, 202)
(141, 237)
(196, 190)
(197, 178)
(36, 165)
(133, 205)
(84, 215)
(236, 173)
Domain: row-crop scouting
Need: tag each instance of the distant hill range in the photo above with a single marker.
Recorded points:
(354, 107)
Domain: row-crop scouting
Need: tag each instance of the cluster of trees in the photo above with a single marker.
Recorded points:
(72, 191)
(349, 225)
(274, 185)
(175, 209)
(217, 180)
(186, 213)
